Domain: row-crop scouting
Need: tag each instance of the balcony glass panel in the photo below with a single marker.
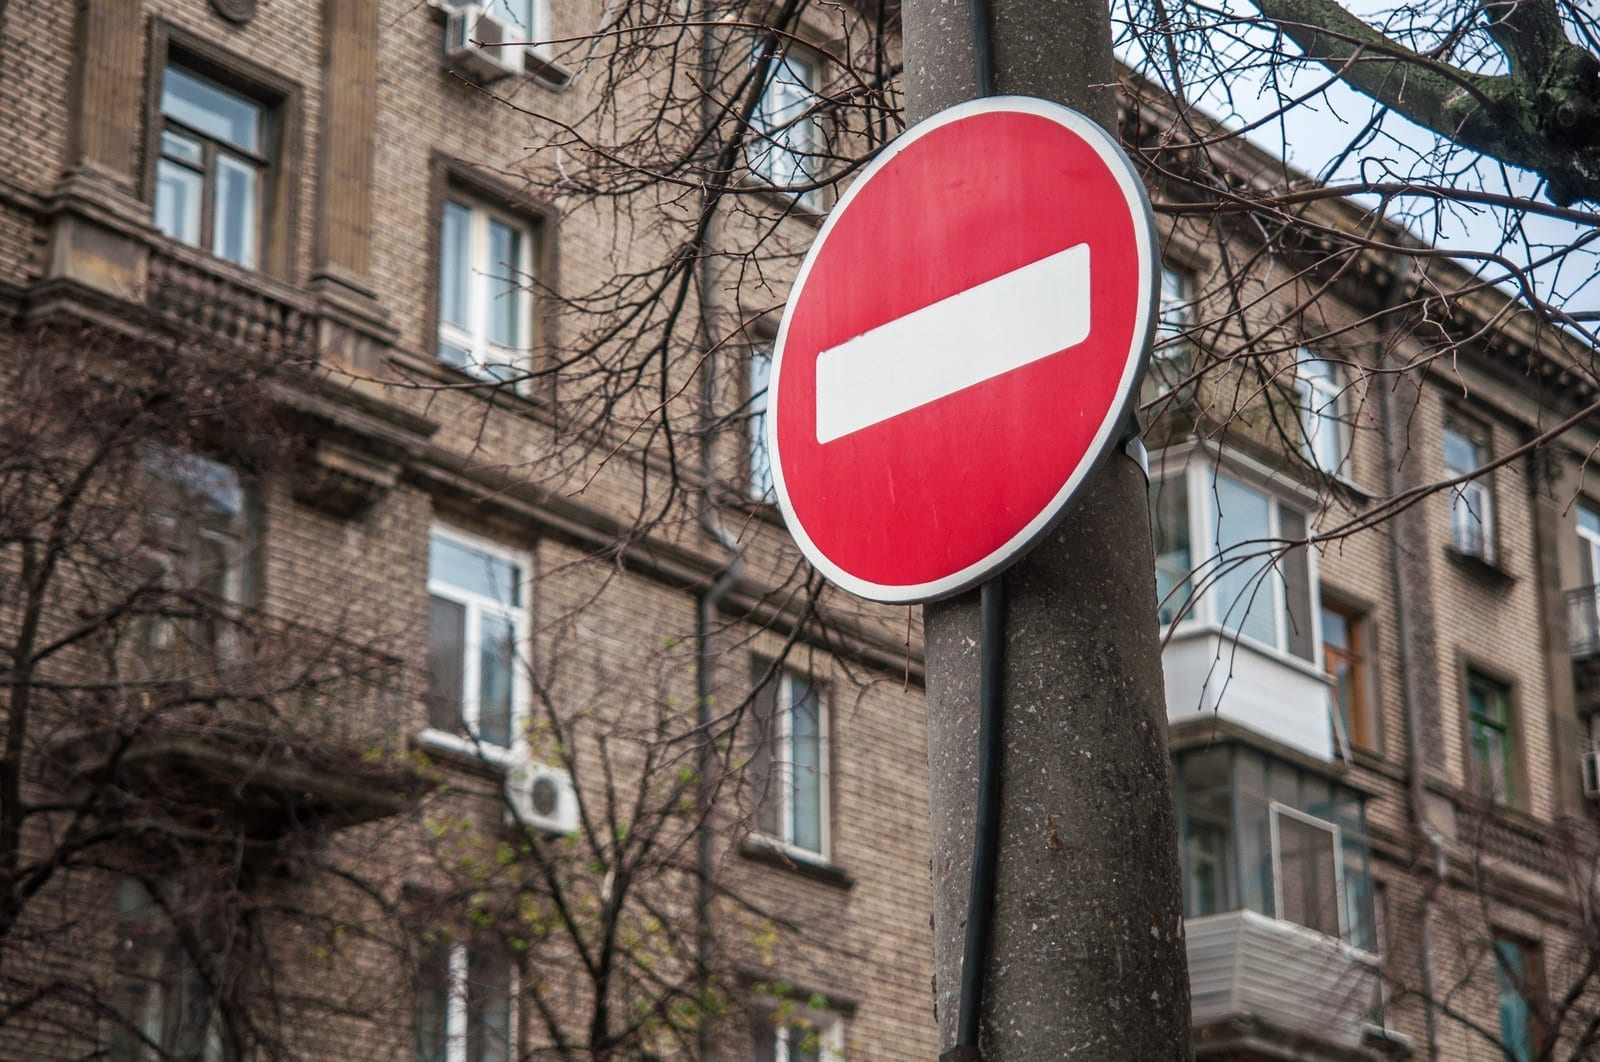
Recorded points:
(1246, 590)
(1260, 834)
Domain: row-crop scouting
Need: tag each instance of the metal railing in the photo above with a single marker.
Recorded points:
(261, 677)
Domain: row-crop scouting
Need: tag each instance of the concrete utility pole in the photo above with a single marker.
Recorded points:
(1087, 954)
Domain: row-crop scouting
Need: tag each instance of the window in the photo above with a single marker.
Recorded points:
(1471, 503)
(784, 148)
(1490, 739)
(795, 1034)
(1325, 438)
(212, 167)
(1172, 357)
(1253, 585)
(197, 531)
(524, 18)
(165, 1005)
(1343, 654)
(761, 486)
(789, 769)
(1588, 544)
(1583, 601)
(1518, 982)
(464, 1002)
(1260, 834)
(476, 628)
(1258, 595)
(485, 301)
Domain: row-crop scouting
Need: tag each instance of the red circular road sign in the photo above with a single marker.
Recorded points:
(963, 342)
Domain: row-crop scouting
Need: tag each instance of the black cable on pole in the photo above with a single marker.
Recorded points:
(986, 834)
(982, 54)
(986, 830)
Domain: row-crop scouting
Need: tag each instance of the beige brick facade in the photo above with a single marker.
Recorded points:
(369, 134)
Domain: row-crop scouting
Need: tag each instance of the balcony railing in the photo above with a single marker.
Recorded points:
(270, 721)
(207, 296)
(1583, 620)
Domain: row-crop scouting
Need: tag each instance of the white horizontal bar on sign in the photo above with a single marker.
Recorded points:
(975, 335)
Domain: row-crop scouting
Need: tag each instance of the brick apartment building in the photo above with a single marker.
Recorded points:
(373, 743)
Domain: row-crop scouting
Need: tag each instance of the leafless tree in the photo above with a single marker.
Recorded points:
(168, 746)
(713, 136)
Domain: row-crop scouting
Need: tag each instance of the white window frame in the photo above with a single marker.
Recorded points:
(1275, 811)
(1590, 540)
(759, 485)
(457, 1036)
(1471, 501)
(538, 15)
(1174, 318)
(1199, 476)
(781, 775)
(472, 643)
(771, 153)
(1320, 396)
(830, 1035)
(483, 353)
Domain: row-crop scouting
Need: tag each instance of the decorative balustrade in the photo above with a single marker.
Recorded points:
(207, 297)
(1497, 836)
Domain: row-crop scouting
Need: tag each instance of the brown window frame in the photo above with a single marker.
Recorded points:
(1531, 953)
(281, 100)
(1361, 721)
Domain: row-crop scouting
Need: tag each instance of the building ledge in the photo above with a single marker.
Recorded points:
(1248, 1039)
(761, 849)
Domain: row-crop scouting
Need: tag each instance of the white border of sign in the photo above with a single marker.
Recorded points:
(1105, 436)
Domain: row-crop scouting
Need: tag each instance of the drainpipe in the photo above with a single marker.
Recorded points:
(705, 622)
(707, 607)
(1411, 695)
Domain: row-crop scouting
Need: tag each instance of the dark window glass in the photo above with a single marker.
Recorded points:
(447, 632)
(1491, 739)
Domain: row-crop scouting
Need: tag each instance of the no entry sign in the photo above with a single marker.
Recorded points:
(962, 344)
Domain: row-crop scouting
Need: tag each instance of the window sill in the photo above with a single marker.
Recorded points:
(456, 751)
(546, 71)
(523, 395)
(761, 849)
(1371, 759)
(766, 511)
(807, 214)
(1344, 482)
(1491, 572)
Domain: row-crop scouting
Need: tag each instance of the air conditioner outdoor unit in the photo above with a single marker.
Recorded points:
(472, 44)
(541, 798)
(1591, 774)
